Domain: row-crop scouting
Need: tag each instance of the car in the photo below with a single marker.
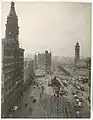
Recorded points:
(40, 83)
(82, 88)
(80, 99)
(78, 87)
(77, 100)
(15, 108)
(80, 104)
(57, 95)
(61, 93)
(34, 86)
(75, 95)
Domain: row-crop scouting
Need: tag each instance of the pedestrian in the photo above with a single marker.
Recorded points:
(26, 104)
(40, 95)
(42, 89)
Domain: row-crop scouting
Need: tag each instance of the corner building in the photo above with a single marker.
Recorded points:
(12, 65)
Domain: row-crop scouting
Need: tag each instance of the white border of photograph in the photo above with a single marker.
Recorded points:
(91, 44)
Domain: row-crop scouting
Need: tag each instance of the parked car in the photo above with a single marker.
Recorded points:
(80, 104)
(61, 93)
(75, 96)
(77, 100)
(34, 86)
(40, 83)
(15, 108)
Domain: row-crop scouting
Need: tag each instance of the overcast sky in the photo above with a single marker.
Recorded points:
(52, 26)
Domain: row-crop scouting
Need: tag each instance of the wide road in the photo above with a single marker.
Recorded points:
(47, 105)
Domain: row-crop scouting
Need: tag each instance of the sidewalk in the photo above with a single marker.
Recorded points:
(24, 111)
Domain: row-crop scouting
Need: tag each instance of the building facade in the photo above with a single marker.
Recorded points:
(40, 60)
(43, 61)
(35, 62)
(28, 73)
(12, 65)
(89, 70)
(47, 61)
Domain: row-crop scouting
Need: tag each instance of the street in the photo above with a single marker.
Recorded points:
(47, 105)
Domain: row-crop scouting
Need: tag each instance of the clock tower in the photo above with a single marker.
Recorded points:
(12, 29)
(77, 52)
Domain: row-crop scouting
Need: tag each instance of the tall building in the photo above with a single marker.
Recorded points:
(40, 60)
(77, 55)
(44, 61)
(77, 52)
(12, 65)
(47, 61)
(35, 62)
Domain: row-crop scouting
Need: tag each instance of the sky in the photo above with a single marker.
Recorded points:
(53, 26)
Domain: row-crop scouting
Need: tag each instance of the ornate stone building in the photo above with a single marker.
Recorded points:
(12, 65)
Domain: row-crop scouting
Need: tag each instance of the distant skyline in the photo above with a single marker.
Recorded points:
(53, 26)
